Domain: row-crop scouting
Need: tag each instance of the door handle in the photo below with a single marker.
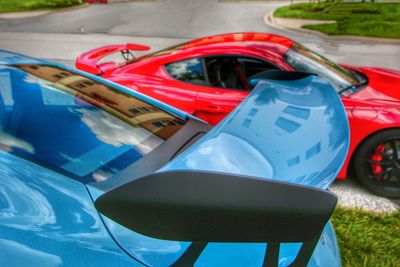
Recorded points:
(213, 108)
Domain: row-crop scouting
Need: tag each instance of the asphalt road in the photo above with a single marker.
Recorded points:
(61, 36)
(163, 18)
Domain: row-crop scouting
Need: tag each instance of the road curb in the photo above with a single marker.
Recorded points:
(37, 13)
(352, 195)
(271, 21)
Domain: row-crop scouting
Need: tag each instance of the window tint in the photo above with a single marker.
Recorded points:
(253, 66)
(75, 125)
(190, 71)
(233, 72)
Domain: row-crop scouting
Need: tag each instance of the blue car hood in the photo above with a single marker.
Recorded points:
(292, 131)
(7, 57)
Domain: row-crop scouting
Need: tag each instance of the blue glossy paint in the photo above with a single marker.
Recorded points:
(239, 145)
(236, 255)
(7, 57)
(49, 219)
(303, 138)
(63, 132)
(147, 250)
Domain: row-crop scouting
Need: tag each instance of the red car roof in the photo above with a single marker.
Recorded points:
(239, 38)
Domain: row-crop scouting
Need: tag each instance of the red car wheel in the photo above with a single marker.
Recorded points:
(377, 163)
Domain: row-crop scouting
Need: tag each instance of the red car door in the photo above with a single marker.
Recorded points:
(229, 85)
(213, 104)
(213, 98)
(180, 83)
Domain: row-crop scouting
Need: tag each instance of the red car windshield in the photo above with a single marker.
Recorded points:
(305, 60)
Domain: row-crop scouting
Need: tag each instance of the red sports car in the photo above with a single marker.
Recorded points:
(208, 77)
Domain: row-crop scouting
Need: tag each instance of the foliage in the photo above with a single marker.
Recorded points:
(25, 5)
(365, 19)
(367, 239)
(342, 23)
(35, 4)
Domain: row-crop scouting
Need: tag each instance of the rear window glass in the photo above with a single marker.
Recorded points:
(76, 125)
(190, 71)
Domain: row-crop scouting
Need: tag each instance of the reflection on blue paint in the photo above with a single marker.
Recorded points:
(287, 125)
(253, 112)
(230, 148)
(51, 126)
(313, 151)
(298, 112)
(275, 153)
(48, 219)
(293, 161)
(246, 123)
(280, 148)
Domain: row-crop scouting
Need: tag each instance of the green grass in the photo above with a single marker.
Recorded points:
(362, 19)
(367, 239)
(26, 5)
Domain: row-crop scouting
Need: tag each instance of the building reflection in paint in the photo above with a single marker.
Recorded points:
(129, 109)
(76, 125)
(272, 120)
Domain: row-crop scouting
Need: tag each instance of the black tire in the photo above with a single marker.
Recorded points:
(384, 180)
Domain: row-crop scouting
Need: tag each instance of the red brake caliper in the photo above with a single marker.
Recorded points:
(377, 156)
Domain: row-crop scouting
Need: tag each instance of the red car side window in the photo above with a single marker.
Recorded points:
(189, 70)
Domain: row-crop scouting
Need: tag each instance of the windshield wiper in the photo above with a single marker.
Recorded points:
(362, 80)
(353, 86)
(347, 88)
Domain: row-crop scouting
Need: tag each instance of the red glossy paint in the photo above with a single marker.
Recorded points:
(370, 110)
(89, 61)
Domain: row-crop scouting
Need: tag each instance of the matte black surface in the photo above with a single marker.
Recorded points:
(191, 255)
(305, 253)
(218, 207)
(280, 75)
(272, 255)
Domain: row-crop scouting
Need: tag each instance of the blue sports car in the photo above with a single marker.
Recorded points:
(94, 174)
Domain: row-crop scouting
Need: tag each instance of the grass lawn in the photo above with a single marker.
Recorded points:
(363, 19)
(26, 5)
(367, 239)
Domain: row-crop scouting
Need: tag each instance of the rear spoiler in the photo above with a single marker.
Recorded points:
(89, 61)
(291, 128)
(258, 176)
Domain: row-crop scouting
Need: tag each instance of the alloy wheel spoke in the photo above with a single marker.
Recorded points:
(385, 180)
(385, 155)
(388, 170)
(379, 162)
(395, 149)
(386, 176)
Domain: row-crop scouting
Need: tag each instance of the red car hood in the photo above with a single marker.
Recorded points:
(383, 85)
